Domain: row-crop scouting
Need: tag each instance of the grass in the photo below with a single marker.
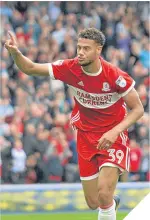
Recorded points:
(59, 216)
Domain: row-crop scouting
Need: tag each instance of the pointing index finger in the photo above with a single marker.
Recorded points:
(12, 37)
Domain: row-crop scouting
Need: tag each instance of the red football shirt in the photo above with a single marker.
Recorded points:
(99, 105)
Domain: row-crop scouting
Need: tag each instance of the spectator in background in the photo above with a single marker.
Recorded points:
(135, 161)
(111, 39)
(144, 54)
(34, 170)
(4, 71)
(54, 10)
(6, 108)
(29, 140)
(145, 164)
(32, 28)
(123, 42)
(4, 127)
(59, 33)
(6, 10)
(5, 152)
(142, 91)
(17, 20)
(18, 167)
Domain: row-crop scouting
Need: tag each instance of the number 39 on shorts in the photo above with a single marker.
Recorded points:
(116, 154)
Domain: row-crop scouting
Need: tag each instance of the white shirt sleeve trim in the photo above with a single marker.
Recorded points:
(128, 90)
(50, 69)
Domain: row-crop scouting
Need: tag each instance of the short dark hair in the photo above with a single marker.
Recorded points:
(93, 34)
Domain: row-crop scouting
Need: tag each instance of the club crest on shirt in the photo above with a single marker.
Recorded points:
(121, 82)
(106, 87)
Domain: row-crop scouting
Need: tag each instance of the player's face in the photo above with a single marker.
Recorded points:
(87, 51)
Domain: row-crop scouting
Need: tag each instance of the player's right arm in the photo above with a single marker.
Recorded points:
(23, 63)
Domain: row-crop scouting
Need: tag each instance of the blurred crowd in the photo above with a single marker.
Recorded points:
(37, 143)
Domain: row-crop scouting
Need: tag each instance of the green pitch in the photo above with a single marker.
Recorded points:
(60, 216)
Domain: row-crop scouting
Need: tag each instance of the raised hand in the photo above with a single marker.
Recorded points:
(11, 44)
(24, 63)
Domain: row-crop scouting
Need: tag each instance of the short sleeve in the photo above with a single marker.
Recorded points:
(59, 70)
(123, 82)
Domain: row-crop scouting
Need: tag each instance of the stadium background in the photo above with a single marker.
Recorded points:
(37, 144)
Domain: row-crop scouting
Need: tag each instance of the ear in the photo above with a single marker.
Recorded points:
(99, 49)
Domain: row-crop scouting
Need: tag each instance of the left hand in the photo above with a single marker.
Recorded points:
(107, 139)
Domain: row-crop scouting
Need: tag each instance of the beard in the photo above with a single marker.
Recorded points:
(86, 63)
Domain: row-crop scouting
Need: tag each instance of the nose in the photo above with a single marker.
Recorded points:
(80, 52)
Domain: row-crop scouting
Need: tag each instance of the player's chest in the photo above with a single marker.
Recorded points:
(93, 84)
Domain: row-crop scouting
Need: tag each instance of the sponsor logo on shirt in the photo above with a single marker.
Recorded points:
(94, 100)
(106, 87)
(121, 82)
(86, 98)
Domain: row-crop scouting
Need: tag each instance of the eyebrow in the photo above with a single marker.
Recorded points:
(83, 45)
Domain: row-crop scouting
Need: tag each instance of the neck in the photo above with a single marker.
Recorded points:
(93, 67)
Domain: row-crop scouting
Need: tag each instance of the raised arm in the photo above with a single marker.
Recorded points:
(23, 63)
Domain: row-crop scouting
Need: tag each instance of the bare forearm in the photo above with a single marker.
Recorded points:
(28, 67)
(129, 120)
(23, 63)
